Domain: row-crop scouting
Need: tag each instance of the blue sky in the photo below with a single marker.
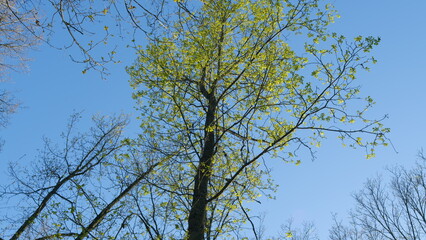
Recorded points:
(313, 190)
(54, 88)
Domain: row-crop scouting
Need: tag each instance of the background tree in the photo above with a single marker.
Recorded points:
(89, 26)
(16, 35)
(224, 83)
(306, 231)
(393, 209)
(87, 188)
(55, 182)
(15, 39)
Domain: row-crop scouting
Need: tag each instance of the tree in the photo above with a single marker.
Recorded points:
(16, 28)
(15, 39)
(84, 188)
(56, 181)
(224, 83)
(87, 27)
(393, 209)
(306, 232)
(223, 88)
(8, 106)
(26, 23)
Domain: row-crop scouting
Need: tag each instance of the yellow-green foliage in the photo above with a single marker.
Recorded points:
(274, 95)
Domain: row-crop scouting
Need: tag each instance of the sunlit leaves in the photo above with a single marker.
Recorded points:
(232, 61)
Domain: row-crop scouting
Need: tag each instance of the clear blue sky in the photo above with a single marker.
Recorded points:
(54, 88)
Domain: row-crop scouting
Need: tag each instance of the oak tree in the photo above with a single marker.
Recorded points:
(230, 84)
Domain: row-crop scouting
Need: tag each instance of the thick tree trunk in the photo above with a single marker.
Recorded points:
(197, 214)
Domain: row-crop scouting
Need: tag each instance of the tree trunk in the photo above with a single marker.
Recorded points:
(197, 214)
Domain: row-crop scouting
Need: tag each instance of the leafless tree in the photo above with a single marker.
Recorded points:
(94, 186)
(15, 39)
(17, 29)
(8, 106)
(394, 209)
(306, 231)
(59, 176)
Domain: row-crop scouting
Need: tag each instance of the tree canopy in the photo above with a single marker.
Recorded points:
(224, 83)
(223, 88)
